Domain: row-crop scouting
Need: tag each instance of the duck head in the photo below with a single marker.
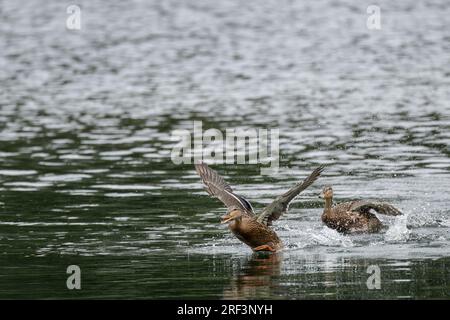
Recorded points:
(232, 215)
(327, 192)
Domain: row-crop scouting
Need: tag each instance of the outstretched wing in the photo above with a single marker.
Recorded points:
(364, 206)
(218, 188)
(274, 210)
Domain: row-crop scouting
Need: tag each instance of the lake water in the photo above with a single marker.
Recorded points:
(86, 118)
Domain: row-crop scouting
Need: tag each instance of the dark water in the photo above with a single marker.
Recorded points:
(85, 136)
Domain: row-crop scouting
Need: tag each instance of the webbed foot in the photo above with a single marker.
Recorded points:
(264, 247)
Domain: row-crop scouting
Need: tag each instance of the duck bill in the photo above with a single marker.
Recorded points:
(226, 219)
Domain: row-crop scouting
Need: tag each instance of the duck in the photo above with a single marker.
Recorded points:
(250, 228)
(354, 216)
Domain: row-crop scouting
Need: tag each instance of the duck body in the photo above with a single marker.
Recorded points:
(256, 235)
(354, 216)
(343, 219)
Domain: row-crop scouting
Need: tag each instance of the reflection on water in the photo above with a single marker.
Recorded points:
(279, 276)
(257, 278)
(85, 137)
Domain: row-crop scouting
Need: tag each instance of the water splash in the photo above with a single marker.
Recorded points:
(323, 237)
(398, 232)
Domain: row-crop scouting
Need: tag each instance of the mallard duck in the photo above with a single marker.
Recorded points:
(252, 229)
(354, 216)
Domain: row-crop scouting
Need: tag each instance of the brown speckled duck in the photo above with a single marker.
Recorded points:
(354, 216)
(252, 229)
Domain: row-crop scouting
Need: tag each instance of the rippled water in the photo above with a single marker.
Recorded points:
(85, 138)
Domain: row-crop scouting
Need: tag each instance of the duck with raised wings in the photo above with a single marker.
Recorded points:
(252, 229)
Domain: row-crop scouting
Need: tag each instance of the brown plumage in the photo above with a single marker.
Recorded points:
(256, 235)
(254, 230)
(354, 216)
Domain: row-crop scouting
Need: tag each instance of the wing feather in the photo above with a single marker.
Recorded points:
(216, 186)
(378, 206)
(280, 205)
